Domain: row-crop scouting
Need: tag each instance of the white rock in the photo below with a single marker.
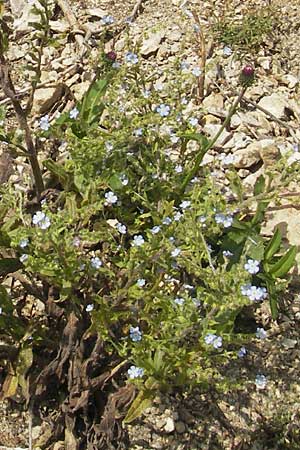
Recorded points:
(151, 44)
(41, 96)
(174, 35)
(213, 103)
(248, 156)
(239, 140)
(59, 26)
(290, 80)
(264, 62)
(275, 104)
(287, 220)
(170, 425)
(96, 12)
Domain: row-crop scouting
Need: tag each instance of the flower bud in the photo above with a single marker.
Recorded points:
(111, 56)
(247, 76)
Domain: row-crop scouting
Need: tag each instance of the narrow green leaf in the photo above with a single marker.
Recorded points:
(284, 264)
(273, 245)
(143, 400)
(259, 185)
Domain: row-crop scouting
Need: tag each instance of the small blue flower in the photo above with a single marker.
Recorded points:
(227, 253)
(141, 282)
(261, 381)
(252, 266)
(226, 221)
(138, 241)
(242, 352)
(184, 65)
(185, 204)
(167, 221)
(111, 198)
(163, 110)
(135, 372)
(178, 168)
(131, 58)
(261, 333)
(96, 262)
(23, 242)
(214, 340)
(121, 228)
(74, 113)
(44, 123)
(176, 252)
(89, 307)
(155, 229)
(177, 216)
(107, 20)
(193, 121)
(254, 293)
(196, 71)
(179, 301)
(41, 220)
(227, 51)
(135, 334)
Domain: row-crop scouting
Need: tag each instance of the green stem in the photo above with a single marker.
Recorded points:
(211, 143)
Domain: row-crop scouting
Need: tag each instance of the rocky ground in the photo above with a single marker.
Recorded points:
(247, 417)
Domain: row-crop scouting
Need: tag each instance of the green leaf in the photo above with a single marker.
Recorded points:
(255, 249)
(115, 182)
(273, 245)
(260, 212)
(259, 185)
(91, 108)
(285, 263)
(143, 400)
(9, 265)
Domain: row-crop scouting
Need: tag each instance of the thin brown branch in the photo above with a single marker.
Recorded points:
(202, 50)
(9, 91)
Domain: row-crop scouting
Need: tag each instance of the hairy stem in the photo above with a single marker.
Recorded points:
(211, 143)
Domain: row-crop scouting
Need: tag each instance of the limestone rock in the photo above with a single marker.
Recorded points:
(170, 425)
(275, 104)
(211, 130)
(151, 44)
(248, 156)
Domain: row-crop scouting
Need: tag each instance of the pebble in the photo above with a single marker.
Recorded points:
(170, 425)
(180, 427)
